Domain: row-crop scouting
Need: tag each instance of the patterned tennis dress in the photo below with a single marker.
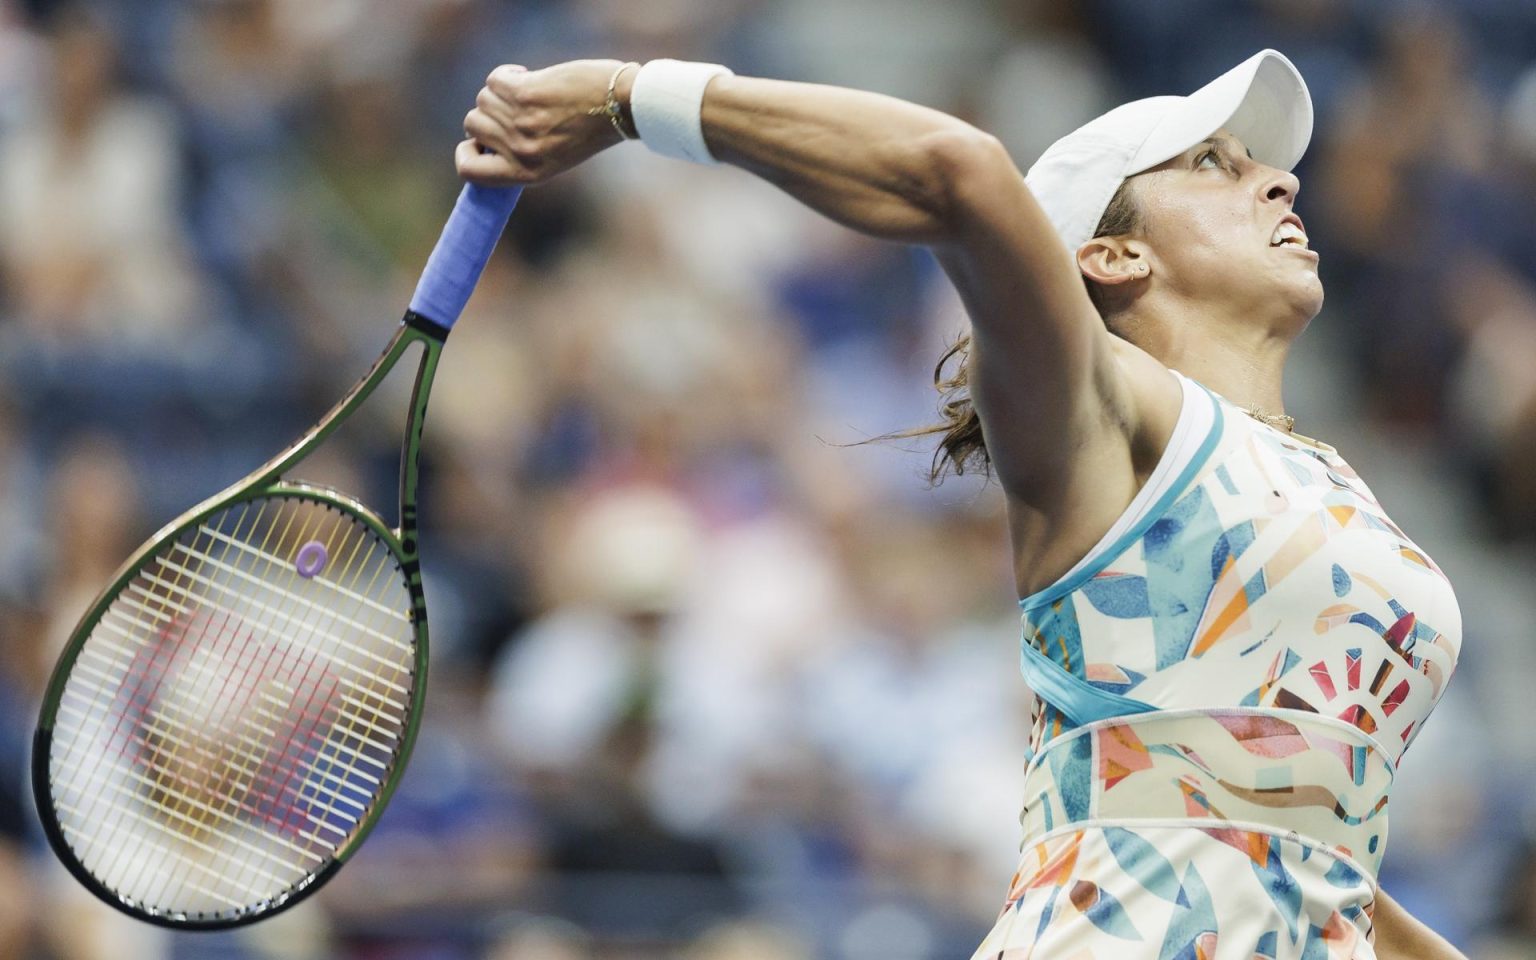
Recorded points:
(1224, 687)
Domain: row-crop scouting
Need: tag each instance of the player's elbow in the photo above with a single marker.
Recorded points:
(970, 168)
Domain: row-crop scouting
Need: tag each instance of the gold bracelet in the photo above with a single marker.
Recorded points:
(611, 108)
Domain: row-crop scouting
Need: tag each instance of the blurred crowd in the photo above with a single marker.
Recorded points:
(712, 678)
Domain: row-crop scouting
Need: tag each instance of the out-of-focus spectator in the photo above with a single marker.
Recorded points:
(747, 940)
(92, 249)
(95, 519)
(1515, 936)
(1053, 58)
(619, 568)
(1412, 139)
(20, 512)
(905, 705)
(239, 70)
(596, 665)
(20, 66)
(925, 52)
(540, 938)
(688, 29)
(1492, 305)
(18, 904)
(1493, 394)
(732, 718)
(80, 927)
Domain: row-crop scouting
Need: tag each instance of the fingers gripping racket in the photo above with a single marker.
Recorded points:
(229, 719)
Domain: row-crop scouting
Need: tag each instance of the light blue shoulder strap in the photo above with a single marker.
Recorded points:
(1075, 697)
(1080, 700)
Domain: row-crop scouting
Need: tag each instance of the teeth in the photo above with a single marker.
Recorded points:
(1288, 232)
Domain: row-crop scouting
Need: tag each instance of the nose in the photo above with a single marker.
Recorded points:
(1281, 185)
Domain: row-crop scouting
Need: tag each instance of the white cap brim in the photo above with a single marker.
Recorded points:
(1262, 101)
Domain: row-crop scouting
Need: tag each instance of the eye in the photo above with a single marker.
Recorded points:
(1208, 159)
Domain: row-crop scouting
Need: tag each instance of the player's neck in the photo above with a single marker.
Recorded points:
(1251, 379)
(1243, 362)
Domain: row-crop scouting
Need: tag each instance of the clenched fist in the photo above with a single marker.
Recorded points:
(529, 125)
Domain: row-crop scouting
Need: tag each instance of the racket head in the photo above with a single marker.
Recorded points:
(228, 721)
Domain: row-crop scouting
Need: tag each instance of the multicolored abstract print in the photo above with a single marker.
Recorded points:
(1286, 641)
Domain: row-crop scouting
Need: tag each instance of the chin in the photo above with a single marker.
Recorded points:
(1314, 286)
(1307, 300)
(1304, 292)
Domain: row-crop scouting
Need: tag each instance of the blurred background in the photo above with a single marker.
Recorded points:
(708, 681)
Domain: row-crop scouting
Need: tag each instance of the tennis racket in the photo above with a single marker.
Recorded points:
(233, 713)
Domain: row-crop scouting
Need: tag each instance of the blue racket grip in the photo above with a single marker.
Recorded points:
(462, 251)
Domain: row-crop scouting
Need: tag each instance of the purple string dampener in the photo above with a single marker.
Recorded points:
(311, 559)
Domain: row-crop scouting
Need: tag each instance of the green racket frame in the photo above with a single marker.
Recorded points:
(266, 481)
(451, 272)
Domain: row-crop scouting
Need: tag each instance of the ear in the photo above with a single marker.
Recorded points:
(1112, 261)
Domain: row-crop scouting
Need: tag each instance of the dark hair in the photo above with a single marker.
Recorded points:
(962, 446)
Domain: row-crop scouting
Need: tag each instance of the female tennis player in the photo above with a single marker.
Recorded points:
(1230, 642)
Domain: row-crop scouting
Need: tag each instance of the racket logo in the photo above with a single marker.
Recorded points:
(260, 752)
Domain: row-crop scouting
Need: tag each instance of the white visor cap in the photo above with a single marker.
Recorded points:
(1262, 101)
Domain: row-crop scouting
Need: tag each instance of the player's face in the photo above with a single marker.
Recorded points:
(1221, 225)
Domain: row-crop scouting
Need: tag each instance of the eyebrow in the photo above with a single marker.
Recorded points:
(1223, 143)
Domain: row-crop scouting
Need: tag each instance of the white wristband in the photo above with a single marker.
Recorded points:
(665, 102)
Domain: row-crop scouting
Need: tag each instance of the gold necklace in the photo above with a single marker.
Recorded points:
(1280, 421)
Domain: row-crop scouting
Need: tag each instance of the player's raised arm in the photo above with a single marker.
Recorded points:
(879, 165)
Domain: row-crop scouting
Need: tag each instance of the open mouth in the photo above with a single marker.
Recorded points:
(1289, 233)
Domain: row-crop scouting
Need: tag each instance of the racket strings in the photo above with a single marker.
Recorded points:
(183, 806)
(231, 718)
(187, 808)
(150, 672)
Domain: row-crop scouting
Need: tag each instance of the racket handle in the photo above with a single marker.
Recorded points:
(462, 251)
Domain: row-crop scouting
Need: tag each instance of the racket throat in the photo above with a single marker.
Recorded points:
(432, 337)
